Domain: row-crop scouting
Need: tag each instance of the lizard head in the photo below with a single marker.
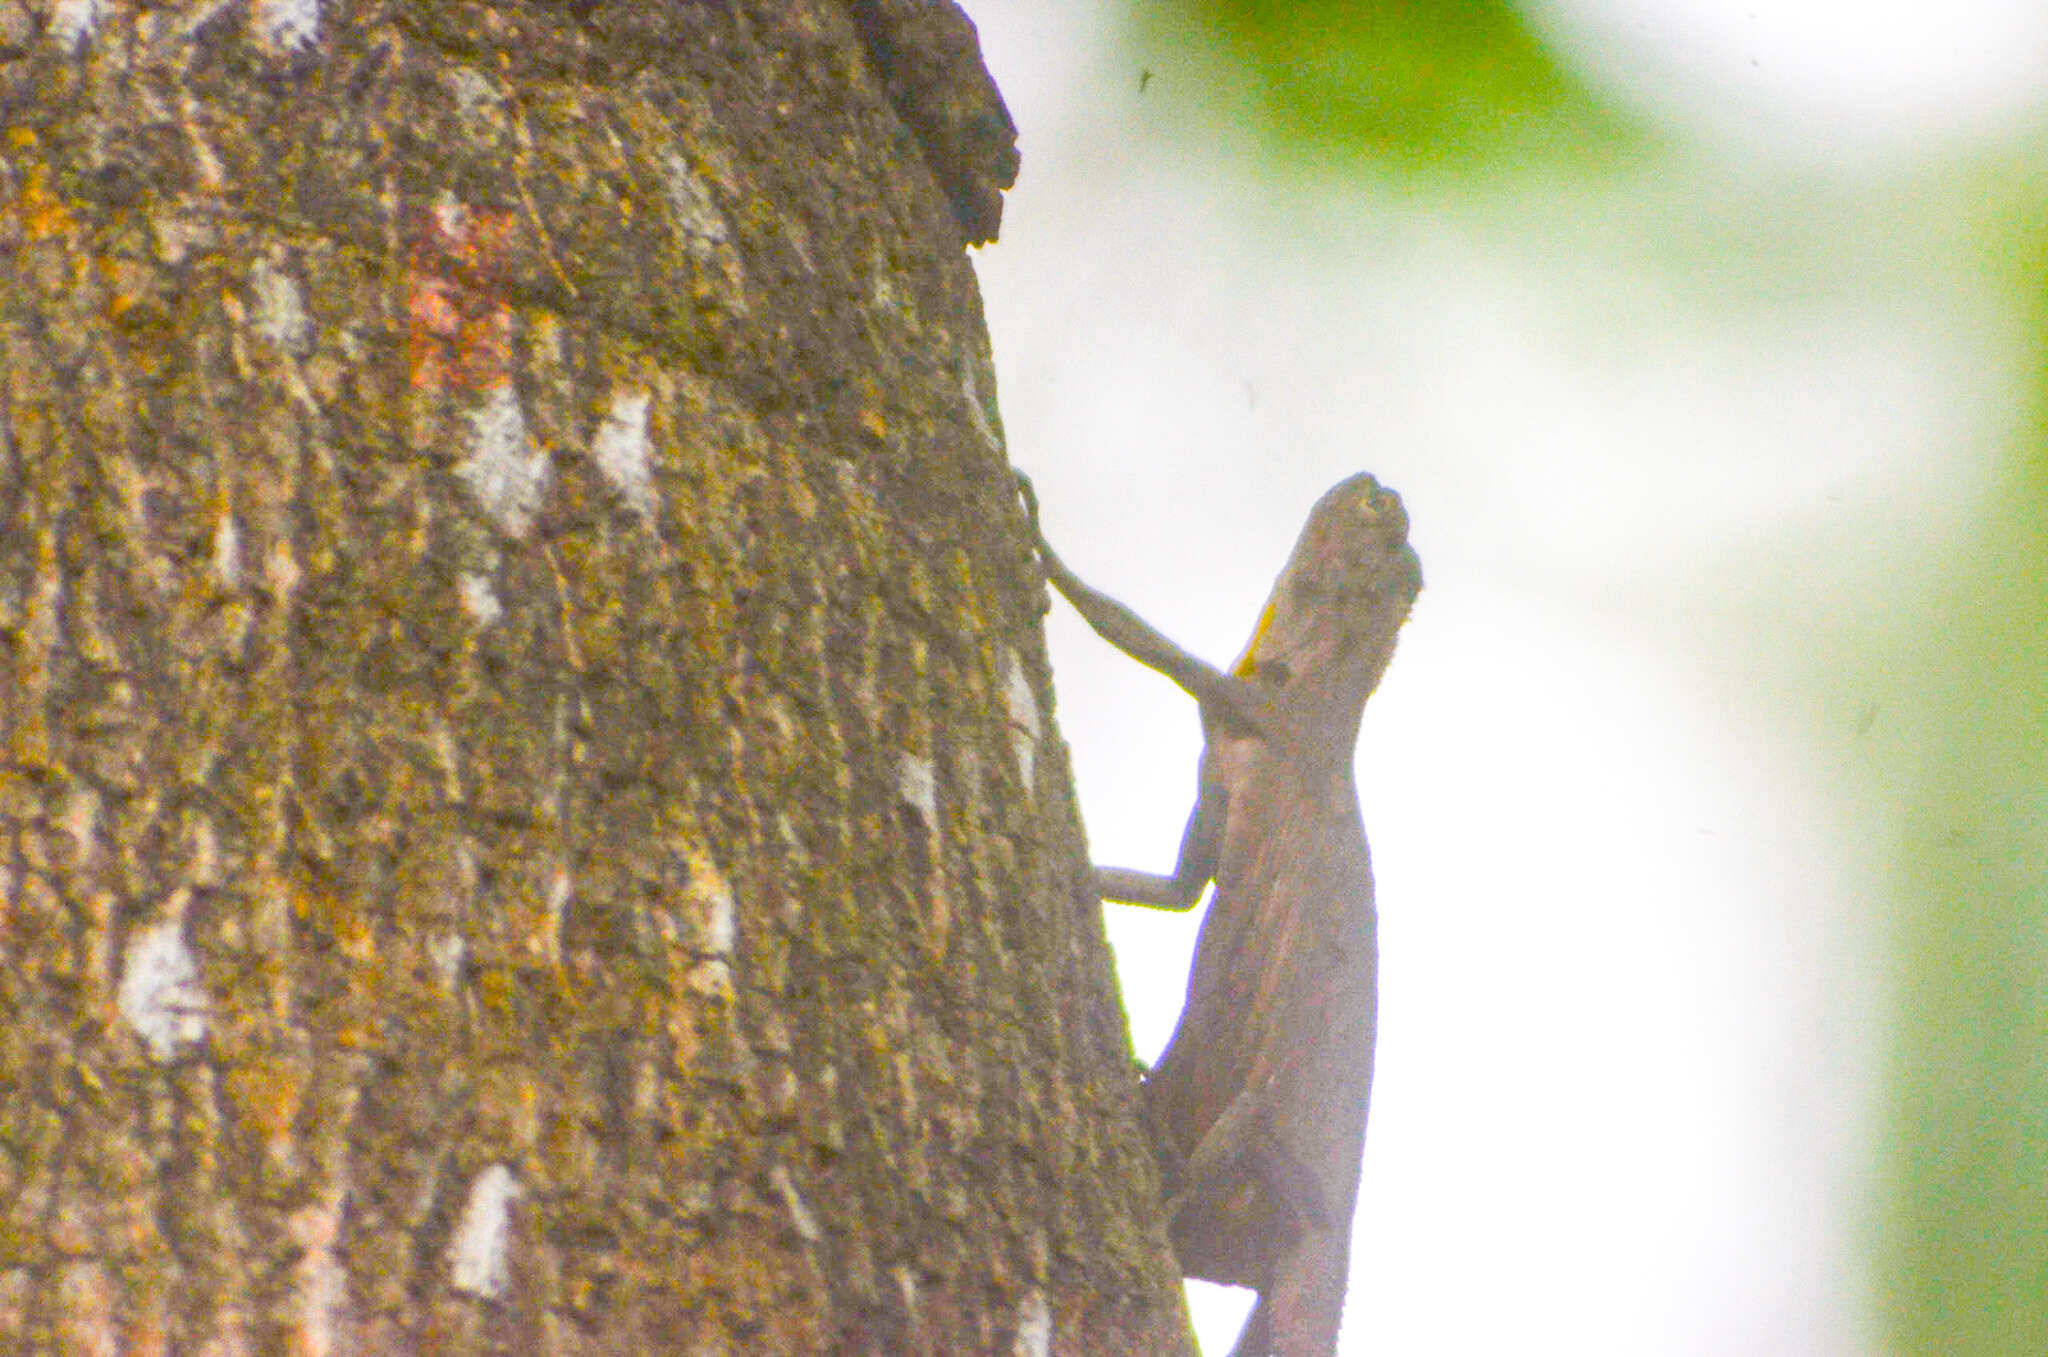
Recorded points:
(1355, 547)
(1346, 589)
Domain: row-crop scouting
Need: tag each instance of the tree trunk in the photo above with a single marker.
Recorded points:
(529, 819)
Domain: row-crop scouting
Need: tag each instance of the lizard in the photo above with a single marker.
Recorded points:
(1257, 1108)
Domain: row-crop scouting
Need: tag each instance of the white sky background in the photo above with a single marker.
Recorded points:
(1628, 976)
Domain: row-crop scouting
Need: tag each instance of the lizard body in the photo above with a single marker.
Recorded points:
(1258, 1107)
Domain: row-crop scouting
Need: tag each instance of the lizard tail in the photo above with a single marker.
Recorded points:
(1299, 1314)
(1256, 1338)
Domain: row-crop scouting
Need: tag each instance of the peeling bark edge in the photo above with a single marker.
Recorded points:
(929, 57)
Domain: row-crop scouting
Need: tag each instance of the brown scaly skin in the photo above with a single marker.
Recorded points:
(1258, 1107)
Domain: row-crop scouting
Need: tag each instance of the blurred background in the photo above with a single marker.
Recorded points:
(1707, 792)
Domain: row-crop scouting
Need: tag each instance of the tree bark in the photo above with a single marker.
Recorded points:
(529, 815)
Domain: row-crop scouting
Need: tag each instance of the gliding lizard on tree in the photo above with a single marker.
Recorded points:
(1258, 1107)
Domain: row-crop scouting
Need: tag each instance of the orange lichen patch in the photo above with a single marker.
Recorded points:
(458, 326)
(497, 992)
(266, 1093)
(126, 284)
(354, 937)
(43, 214)
(338, 916)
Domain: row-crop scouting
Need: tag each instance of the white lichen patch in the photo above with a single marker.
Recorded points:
(479, 1257)
(1026, 725)
(1034, 1327)
(721, 918)
(480, 598)
(227, 551)
(782, 1092)
(977, 413)
(917, 783)
(85, 1310)
(476, 98)
(505, 471)
(882, 294)
(450, 216)
(160, 995)
(82, 822)
(621, 453)
(447, 952)
(208, 174)
(280, 312)
(716, 920)
(281, 573)
(799, 1214)
(696, 212)
(287, 26)
(73, 22)
(177, 235)
(322, 1282)
(561, 890)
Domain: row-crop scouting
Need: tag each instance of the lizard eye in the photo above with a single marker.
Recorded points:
(1274, 672)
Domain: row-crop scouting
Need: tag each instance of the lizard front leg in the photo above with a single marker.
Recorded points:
(1201, 844)
(1228, 701)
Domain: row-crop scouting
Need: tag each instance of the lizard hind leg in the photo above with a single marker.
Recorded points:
(1241, 1204)
(1243, 1145)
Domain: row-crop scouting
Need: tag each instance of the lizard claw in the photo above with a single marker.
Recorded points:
(1029, 495)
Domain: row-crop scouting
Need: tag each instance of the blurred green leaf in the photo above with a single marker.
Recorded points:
(1962, 1248)
(1417, 84)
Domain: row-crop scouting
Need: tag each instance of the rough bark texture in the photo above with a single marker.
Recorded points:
(528, 815)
